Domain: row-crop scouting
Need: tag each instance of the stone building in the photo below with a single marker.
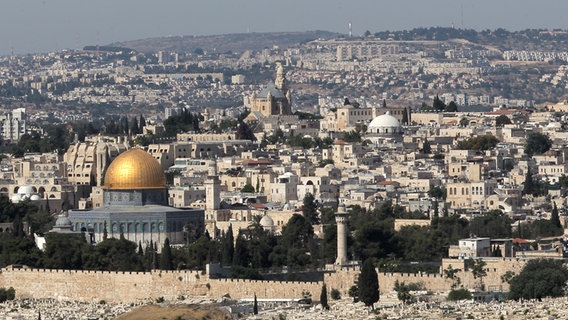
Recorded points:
(135, 204)
(41, 178)
(275, 99)
(14, 125)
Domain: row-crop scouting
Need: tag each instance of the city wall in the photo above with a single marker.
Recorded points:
(143, 286)
(148, 286)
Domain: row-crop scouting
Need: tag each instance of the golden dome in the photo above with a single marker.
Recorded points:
(134, 169)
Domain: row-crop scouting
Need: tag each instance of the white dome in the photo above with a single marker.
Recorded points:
(385, 120)
(25, 190)
(15, 198)
(267, 222)
(34, 197)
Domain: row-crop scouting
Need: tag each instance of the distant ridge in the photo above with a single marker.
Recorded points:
(237, 42)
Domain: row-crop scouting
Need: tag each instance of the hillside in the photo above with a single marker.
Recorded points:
(237, 42)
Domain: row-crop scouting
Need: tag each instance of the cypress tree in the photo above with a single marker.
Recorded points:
(323, 297)
(155, 260)
(368, 284)
(240, 257)
(255, 306)
(134, 128)
(309, 209)
(554, 218)
(228, 247)
(166, 256)
(404, 119)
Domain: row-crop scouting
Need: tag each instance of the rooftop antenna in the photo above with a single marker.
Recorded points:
(350, 30)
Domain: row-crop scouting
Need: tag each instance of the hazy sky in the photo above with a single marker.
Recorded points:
(28, 26)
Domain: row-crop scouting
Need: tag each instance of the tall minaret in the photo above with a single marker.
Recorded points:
(212, 187)
(341, 218)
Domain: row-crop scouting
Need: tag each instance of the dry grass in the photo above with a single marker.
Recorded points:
(176, 312)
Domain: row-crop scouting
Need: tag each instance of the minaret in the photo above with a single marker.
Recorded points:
(341, 218)
(212, 187)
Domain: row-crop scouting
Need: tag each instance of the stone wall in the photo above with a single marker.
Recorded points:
(246, 289)
(101, 285)
(148, 286)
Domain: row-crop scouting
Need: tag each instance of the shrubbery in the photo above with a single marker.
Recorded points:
(459, 294)
(7, 294)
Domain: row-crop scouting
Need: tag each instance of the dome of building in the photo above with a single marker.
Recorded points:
(35, 197)
(134, 169)
(27, 190)
(63, 222)
(384, 121)
(267, 222)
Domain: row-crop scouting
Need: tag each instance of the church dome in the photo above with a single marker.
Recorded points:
(134, 169)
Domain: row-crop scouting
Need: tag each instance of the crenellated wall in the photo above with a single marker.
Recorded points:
(243, 289)
(82, 285)
(102, 285)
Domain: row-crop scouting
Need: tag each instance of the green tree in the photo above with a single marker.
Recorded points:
(335, 294)
(296, 242)
(502, 120)
(452, 107)
(228, 243)
(368, 284)
(65, 251)
(255, 306)
(354, 292)
(113, 255)
(310, 209)
(437, 192)
(323, 297)
(539, 278)
(459, 294)
(451, 273)
(134, 127)
(248, 188)
(405, 120)
(403, 292)
(166, 256)
(537, 143)
(554, 218)
(241, 257)
(244, 132)
(493, 224)
(438, 104)
(352, 136)
(464, 122)
(426, 147)
(478, 271)
(481, 143)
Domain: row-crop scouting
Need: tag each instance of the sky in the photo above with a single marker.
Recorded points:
(36, 26)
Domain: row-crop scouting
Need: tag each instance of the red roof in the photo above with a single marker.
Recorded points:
(520, 241)
(255, 162)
